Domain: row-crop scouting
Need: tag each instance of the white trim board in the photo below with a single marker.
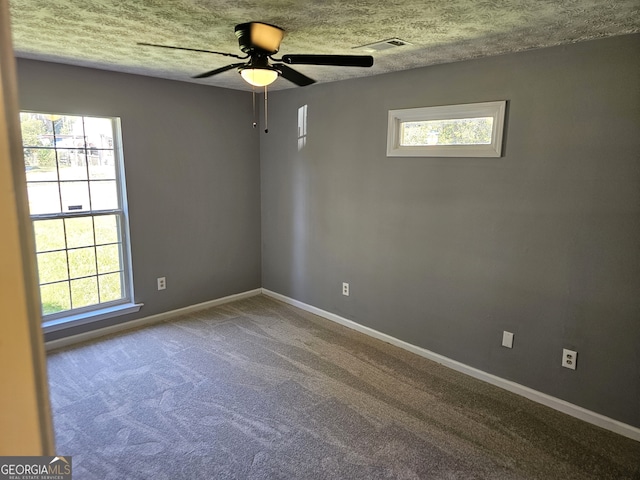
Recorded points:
(539, 397)
(140, 322)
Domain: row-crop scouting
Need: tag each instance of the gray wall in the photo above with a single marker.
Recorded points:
(447, 253)
(192, 173)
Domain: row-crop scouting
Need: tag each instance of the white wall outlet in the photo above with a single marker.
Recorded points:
(162, 283)
(345, 289)
(507, 339)
(569, 358)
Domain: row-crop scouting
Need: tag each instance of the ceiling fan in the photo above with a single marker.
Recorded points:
(259, 42)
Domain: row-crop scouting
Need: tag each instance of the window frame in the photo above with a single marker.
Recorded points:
(302, 126)
(76, 316)
(396, 118)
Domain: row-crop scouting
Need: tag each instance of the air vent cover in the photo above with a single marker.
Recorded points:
(382, 45)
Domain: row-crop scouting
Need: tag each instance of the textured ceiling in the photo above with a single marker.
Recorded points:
(103, 33)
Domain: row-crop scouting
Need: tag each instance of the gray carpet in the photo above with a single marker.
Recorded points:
(257, 389)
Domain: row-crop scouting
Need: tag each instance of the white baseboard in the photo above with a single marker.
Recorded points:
(83, 337)
(539, 397)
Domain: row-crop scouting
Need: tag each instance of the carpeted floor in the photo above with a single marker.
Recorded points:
(257, 389)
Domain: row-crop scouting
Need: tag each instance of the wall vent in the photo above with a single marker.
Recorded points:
(382, 45)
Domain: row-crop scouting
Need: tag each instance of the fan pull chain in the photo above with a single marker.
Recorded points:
(266, 121)
(255, 119)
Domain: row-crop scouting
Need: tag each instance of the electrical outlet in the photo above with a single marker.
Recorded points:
(162, 283)
(569, 358)
(345, 289)
(507, 339)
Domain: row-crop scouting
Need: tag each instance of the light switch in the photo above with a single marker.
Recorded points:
(507, 339)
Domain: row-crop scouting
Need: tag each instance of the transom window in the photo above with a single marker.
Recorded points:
(470, 130)
(77, 203)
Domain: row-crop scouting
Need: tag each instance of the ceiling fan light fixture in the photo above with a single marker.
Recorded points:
(259, 42)
(259, 77)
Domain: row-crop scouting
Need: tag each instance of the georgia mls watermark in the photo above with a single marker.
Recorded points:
(35, 468)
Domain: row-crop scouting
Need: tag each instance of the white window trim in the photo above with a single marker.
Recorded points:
(447, 112)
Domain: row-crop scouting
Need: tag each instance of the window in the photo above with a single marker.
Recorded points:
(471, 130)
(77, 203)
(302, 127)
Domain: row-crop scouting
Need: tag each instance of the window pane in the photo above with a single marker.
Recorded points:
(69, 131)
(72, 164)
(37, 130)
(107, 230)
(49, 235)
(461, 131)
(82, 262)
(40, 164)
(84, 292)
(75, 196)
(43, 198)
(55, 297)
(109, 258)
(79, 232)
(102, 165)
(110, 287)
(52, 266)
(99, 132)
(104, 195)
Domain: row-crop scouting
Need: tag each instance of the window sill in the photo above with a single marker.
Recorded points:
(89, 317)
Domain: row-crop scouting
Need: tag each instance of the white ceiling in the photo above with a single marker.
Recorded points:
(103, 33)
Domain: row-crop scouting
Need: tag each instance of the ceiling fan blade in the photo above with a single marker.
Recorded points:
(293, 75)
(219, 70)
(190, 49)
(337, 60)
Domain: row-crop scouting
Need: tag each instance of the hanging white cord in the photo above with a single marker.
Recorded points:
(266, 121)
(255, 119)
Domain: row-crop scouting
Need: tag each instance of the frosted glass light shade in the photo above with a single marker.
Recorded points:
(259, 77)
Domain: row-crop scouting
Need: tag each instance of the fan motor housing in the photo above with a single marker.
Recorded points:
(258, 36)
